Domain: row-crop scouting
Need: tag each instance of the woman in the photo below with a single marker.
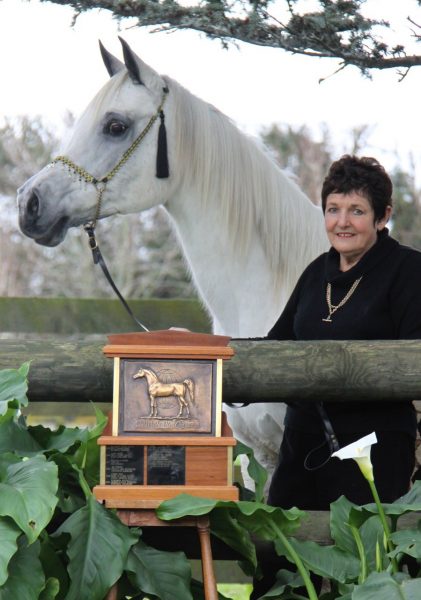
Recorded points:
(367, 287)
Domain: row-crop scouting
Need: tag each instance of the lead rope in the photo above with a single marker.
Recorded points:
(101, 184)
(99, 259)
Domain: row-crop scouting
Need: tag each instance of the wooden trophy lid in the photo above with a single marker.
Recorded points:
(169, 343)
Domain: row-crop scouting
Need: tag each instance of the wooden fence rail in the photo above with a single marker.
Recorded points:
(77, 371)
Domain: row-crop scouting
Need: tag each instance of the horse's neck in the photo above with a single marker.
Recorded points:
(238, 289)
(151, 377)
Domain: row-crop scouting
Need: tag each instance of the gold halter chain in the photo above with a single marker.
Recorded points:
(100, 184)
(334, 307)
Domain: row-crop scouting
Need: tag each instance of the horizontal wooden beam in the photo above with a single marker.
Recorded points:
(77, 371)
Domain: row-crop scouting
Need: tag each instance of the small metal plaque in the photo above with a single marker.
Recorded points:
(166, 465)
(124, 465)
(167, 397)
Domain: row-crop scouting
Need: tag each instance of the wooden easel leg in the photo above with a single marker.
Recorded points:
(209, 581)
(113, 593)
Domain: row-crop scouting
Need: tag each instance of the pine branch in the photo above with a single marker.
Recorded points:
(338, 30)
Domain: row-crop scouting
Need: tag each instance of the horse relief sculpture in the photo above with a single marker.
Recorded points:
(246, 229)
(157, 390)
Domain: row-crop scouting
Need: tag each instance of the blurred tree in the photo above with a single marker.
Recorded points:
(296, 151)
(144, 244)
(406, 221)
(308, 160)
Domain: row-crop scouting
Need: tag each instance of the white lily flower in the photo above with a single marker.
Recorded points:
(360, 451)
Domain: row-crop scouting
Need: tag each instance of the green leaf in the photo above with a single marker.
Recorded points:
(51, 589)
(384, 586)
(407, 541)
(13, 386)
(410, 502)
(28, 494)
(15, 435)
(52, 556)
(165, 575)
(9, 533)
(225, 527)
(339, 524)
(70, 495)
(284, 580)
(372, 534)
(255, 470)
(97, 550)
(61, 439)
(327, 561)
(260, 519)
(26, 579)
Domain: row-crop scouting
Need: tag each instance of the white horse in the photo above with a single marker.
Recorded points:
(246, 229)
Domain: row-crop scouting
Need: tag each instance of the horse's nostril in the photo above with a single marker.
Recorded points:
(32, 207)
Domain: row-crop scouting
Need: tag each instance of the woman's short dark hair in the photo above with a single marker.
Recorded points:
(364, 175)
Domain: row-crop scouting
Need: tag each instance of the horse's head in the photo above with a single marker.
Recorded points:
(139, 374)
(107, 142)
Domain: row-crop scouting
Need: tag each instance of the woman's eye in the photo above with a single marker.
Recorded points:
(115, 128)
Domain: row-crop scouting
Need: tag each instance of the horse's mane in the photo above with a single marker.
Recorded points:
(226, 166)
(253, 193)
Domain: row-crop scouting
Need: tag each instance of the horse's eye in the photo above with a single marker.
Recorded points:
(115, 128)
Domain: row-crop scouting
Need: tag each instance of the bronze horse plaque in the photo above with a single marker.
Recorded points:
(166, 396)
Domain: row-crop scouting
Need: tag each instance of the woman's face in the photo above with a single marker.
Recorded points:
(350, 226)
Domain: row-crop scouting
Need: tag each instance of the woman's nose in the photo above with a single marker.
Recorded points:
(343, 218)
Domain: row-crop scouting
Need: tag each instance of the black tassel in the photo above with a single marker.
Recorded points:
(162, 169)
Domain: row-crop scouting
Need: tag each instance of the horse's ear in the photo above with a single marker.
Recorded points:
(139, 71)
(112, 64)
(131, 62)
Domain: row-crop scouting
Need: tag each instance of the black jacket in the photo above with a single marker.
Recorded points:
(385, 305)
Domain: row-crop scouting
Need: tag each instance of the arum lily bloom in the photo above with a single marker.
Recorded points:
(360, 451)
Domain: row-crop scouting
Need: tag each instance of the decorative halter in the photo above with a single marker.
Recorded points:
(162, 172)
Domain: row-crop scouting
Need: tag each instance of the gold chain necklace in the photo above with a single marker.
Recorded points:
(334, 307)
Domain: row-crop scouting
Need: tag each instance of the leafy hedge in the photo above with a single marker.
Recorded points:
(58, 542)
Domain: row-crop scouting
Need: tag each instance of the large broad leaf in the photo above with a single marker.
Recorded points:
(262, 520)
(407, 541)
(51, 590)
(52, 557)
(225, 527)
(13, 386)
(410, 502)
(165, 575)
(255, 470)
(15, 435)
(9, 533)
(70, 494)
(28, 493)
(327, 561)
(383, 586)
(284, 580)
(63, 438)
(26, 579)
(97, 550)
(339, 524)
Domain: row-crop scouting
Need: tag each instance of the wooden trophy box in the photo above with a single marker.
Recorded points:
(169, 435)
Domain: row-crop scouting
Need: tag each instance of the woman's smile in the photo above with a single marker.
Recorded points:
(351, 226)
